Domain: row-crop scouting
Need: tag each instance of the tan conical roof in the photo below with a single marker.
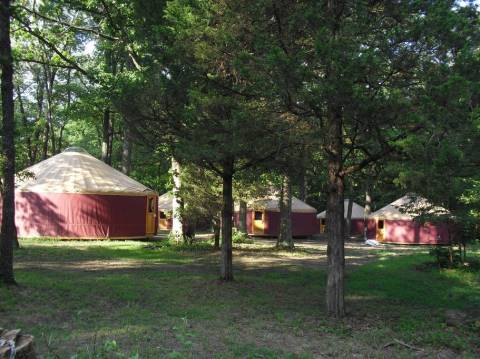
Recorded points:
(358, 211)
(272, 204)
(407, 208)
(76, 171)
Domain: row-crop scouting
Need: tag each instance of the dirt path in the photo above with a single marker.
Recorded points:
(310, 254)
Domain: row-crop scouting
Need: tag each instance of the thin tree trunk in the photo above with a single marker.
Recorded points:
(368, 210)
(285, 237)
(8, 231)
(127, 150)
(242, 217)
(24, 123)
(226, 270)
(335, 215)
(348, 220)
(177, 227)
(46, 137)
(216, 233)
(106, 130)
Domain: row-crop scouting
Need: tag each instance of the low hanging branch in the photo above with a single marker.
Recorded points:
(52, 47)
(69, 25)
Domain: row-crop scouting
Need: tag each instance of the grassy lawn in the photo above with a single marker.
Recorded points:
(138, 300)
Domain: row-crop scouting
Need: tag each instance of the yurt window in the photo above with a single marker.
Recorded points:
(258, 215)
(380, 224)
(324, 221)
(162, 215)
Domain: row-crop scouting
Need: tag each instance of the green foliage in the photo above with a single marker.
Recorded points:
(240, 237)
(447, 257)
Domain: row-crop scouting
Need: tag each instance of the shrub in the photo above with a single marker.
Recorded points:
(447, 257)
(240, 237)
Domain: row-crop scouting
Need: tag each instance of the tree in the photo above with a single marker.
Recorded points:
(8, 232)
(358, 70)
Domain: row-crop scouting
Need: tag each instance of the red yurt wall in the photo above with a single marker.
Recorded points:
(68, 215)
(303, 224)
(411, 232)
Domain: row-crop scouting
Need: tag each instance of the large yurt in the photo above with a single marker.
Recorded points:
(263, 218)
(398, 222)
(357, 223)
(75, 195)
(165, 211)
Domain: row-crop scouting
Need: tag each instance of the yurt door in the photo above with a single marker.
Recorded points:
(380, 230)
(151, 214)
(258, 222)
(323, 224)
(163, 220)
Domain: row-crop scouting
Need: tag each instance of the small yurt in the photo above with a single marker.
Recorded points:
(263, 218)
(75, 195)
(395, 223)
(357, 224)
(165, 211)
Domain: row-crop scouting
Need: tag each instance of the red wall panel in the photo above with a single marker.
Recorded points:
(68, 215)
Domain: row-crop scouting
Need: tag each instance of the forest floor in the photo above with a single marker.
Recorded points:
(132, 299)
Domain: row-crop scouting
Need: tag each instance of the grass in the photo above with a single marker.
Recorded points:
(142, 300)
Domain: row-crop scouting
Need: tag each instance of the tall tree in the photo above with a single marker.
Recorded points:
(8, 232)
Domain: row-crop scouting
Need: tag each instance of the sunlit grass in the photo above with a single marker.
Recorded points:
(163, 300)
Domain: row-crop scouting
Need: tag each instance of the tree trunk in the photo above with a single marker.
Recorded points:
(368, 210)
(177, 204)
(242, 217)
(226, 270)
(335, 215)
(127, 150)
(285, 237)
(106, 136)
(25, 123)
(8, 231)
(348, 220)
(46, 138)
(216, 233)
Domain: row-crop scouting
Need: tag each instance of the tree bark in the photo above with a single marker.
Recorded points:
(177, 227)
(226, 270)
(335, 215)
(8, 231)
(242, 217)
(127, 150)
(46, 138)
(107, 136)
(368, 210)
(285, 238)
(348, 219)
(216, 233)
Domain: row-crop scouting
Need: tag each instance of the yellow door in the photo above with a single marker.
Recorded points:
(258, 222)
(151, 214)
(323, 224)
(380, 230)
(162, 220)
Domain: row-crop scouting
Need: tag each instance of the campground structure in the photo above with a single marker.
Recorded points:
(358, 218)
(75, 195)
(263, 218)
(395, 223)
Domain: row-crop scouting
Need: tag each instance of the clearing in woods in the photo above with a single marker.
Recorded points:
(120, 299)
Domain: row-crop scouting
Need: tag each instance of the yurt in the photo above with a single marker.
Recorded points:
(165, 211)
(263, 218)
(395, 223)
(357, 224)
(75, 195)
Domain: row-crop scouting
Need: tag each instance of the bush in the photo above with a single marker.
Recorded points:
(240, 237)
(447, 257)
